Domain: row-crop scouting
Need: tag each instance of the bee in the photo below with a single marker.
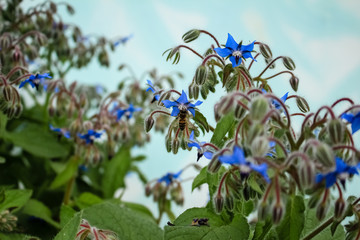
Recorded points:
(200, 222)
(182, 117)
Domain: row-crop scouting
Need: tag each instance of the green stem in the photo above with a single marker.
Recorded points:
(68, 190)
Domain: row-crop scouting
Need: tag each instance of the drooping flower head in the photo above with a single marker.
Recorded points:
(61, 131)
(194, 143)
(169, 177)
(181, 104)
(354, 119)
(153, 90)
(235, 51)
(341, 171)
(128, 112)
(90, 136)
(35, 80)
(238, 158)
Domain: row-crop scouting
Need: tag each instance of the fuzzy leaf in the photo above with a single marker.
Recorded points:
(222, 128)
(200, 179)
(201, 120)
(64, 176)
(15, 198)
(37, 209)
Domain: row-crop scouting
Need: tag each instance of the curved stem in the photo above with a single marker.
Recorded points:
(210, 145)
(267, 67)
(221, 183)
(329, 111)
(159, 111)
(211, 56)
(349, 109)
(252, 61)
(280, 144)
(189, 48)
(212, 36)
(277, 74)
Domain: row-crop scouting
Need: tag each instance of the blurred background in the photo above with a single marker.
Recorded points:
(321, 36)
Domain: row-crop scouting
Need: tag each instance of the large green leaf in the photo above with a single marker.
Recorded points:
(115, 171)
(87, 199)
(37, 209)
(126, 223)
(66, 214)
(15, 198)
(64, 176)
(222, 128)
(200, 179)
(3, 120)
(293, 221)
(38, 142)
(16, 236)
(262, 228)
(70, 229)
(201, 120)
(217, 229)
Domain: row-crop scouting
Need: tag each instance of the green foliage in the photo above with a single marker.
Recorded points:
(15, 198)
(222, 128)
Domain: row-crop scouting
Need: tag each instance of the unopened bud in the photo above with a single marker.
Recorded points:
(229, 202)
(217, 112)
(214, 164)
(288, 63)
(226, 105)
(294, 82)
(302, 104)
(10, 112)
(219, 203)
(263, 210)
(268, 61)
(255, 130)
(321, 211)
(259, 108)
(314, 200)
(163, 96)
(204, 91)
(88, 125)
(175, 146)
(325, 155)
(18, 108)
(336, 130)
(3, 104)
(307, 174)
(191, 90)
(265, 50)
(168, 143)
(340, 207)
(196, 90)
(260, 146)
(191, 35)
(8, 92)
(83, 100)
(148, 190)
(41, 39)
(200, 75)
(239, 111)
(277, 212)
(149, 123)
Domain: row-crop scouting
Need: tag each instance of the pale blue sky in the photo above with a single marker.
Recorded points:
(321, 36)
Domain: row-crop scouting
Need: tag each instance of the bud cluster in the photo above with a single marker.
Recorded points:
(7, 221)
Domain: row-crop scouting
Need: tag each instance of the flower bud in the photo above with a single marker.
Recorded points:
(196, 90)
(314, 200)
(260, 146)
(191, 90)
(149, 123)
(168, 143)
(263, 210)
(41, 39)
(255, 130)
(277, 212)
(10, 112)
(175, 145)
(8, 92)
(200, 75)
(3, 104)
(336, 130)
(325, 155)
(268, 60)
(183, 143)
(83, 100)
(148, 190)
(204, 91)
(321, 211)
(229, 202)
(191, 35)
(307, 174)
(214, 164)
(217, 112)
(219, 203)
(265, 50)
(289, 63)
(302, 104)
(259, 108)
(163, 96)
(340, 207)
(18, 108)
(239, 111)
(294, 82)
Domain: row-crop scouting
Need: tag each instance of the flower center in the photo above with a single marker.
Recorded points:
(182, 107)
(237, 53)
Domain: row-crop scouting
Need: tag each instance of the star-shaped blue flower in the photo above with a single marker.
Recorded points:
(238, 158)
(35, 80)
(90, 136)
(62, 131)
(194, 143)
(275, 103)
(153, 90)
(353, 119)
(235, 51)
(182, 103)
(331, 177)
(127, 112)
(170, 177)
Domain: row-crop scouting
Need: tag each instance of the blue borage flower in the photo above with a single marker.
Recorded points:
(169, 177)
(35, 80)
(342, 170)
(275, 103)
(153, 90)
(90, 136)
(62, 131)
(235, 51)
(123, 40)
(238, 158)
(128, 112)
(354, 119)
(194, 143)
(182, 103)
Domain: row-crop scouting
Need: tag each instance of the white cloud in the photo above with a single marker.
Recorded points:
(351, 6)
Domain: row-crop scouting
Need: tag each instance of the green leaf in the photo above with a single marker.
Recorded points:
(248, 207)
(228, 69)
(66, 214)
(139, 158)
(222, 128)
(70, 229)
(126, 223)
(201, 120)
(254, 184)
(293, 221)
(15, 198)
(217, 229)
(200, 179)
(87, 199)
(3, 121)
(64, 176)
(115, 171)
(262, 228)
(35, 140)
(141, 209)
(2, 160)
(16, 236)
(37, 209)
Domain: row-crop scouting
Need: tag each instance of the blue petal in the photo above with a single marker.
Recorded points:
(319, 178)
(230, 43)
(223, 52)
(192, 110)
(233, 61)
(191, 136)
(208, 155)
(198, 103)
(263, 90)
(22, 84)
(330, 180)
(168, 103)
(183, 98)
(194, 144)
(228, 159)
(340, 166)
(175, 111)
(67, 134)
(176, 175)
(262, 168)
(247, 55)
(284, 97)
(355, 125)
(239, 154)
(247, 48)
(348, 117)
(157, 97)
(120, 113)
